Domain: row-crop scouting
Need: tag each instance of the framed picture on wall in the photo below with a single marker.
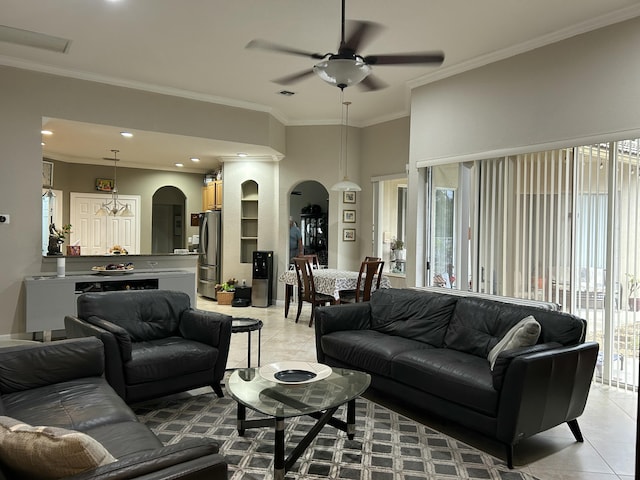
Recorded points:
(104, 184)
(348, 234)
(47, 174)
(349, 216)
(349, 197)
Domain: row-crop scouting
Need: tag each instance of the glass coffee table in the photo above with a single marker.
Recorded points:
(319, 399)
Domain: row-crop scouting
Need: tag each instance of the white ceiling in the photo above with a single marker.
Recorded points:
(196, 48)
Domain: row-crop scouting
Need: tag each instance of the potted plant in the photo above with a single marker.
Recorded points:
(226, 291)
(633, 287)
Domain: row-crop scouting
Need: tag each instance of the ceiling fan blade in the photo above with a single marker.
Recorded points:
(372, 83)
(360, 34)
(274, 47)
(293, 78)
(405, 58)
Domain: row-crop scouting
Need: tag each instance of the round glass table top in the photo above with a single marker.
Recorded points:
(245, 325)
(249, 388)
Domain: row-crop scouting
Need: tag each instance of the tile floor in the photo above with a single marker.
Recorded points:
(608, 424)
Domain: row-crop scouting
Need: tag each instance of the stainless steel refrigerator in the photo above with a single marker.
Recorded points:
(209, 253)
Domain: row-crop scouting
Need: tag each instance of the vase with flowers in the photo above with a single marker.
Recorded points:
(398, 251)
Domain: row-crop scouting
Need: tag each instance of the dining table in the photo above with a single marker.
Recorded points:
(329, 281)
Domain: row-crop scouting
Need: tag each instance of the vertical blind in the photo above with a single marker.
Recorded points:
(562, 226)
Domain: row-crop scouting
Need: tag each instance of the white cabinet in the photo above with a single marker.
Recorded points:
(50, 298)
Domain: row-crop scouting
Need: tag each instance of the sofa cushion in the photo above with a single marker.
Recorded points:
(48, 452)
(77, 404)
(168, 357)
(525, 333)
(456, 376)
(367, 350)
(145, 314)
(420, 316)
(477, 325)
(125, 438)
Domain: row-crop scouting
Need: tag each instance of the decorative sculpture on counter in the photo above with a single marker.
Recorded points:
(56, 238)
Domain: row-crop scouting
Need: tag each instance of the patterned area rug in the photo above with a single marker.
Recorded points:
(387, 445)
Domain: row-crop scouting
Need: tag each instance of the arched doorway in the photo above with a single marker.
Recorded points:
(167, 220)
(309, 209)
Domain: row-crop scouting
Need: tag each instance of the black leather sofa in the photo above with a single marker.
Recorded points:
(61, 384)
(155, 343)
(430, 349)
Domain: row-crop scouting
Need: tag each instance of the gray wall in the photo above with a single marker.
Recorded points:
(574, 92)
(26, 97)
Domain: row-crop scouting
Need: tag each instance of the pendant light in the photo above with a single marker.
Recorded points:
(345, 185)
(114, 207)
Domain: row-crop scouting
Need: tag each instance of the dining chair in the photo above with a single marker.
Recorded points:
(369, 272)
(307, 288)
(372, 259)
(312, 258)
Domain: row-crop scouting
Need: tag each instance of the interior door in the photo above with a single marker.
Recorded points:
(98, 234)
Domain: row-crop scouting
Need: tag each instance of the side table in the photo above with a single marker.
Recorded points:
(248, 325)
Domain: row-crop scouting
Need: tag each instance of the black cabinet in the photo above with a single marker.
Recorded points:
(315, 234)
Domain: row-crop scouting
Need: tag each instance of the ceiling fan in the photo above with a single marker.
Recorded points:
(348, 67)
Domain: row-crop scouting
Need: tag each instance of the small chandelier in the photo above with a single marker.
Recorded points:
(345, 185)
(114, 206)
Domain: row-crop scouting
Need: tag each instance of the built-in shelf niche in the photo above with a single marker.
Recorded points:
(249, 221)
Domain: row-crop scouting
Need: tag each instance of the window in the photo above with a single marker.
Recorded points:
(390, 215)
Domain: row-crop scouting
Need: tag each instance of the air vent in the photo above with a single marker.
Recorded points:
(34, 39)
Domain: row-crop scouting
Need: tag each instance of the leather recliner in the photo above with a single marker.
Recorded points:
(155, 343)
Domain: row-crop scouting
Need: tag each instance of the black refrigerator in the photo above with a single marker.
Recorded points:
(209, 252)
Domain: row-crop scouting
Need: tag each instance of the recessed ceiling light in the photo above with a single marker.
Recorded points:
(179, 164)
(126, 134)
(242, 154)
(194, 159)
(46, 132)
(42, 143)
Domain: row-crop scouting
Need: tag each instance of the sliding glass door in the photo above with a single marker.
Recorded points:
(560, 226)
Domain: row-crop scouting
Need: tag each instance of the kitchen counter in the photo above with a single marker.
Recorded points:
(83, 263)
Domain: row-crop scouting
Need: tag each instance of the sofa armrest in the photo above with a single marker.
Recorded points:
(189, 459)
(505, 358)
(25, 367)
(351, 316)
(212, 328)
(544, 389)
(113, 355)
(334, 318)
(120, 334)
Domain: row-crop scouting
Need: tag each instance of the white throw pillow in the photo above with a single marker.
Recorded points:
(48, 452)
(523, 334)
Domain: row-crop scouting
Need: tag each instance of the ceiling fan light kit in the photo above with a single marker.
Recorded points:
(342, 72)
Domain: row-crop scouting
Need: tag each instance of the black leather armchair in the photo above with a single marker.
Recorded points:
(155, 343)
